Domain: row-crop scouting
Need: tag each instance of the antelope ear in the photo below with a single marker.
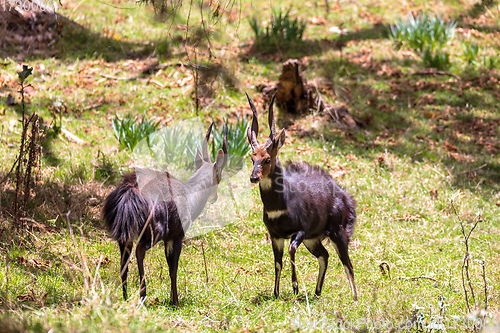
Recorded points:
(198, 158)
(279, 140)
(220, 162)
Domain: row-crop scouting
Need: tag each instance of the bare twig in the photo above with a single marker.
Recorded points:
(10, 171)
(106, 76)
(465, 264)
(204, 261)
(418, 278)
(485, 286)
(196, 84)
(434, 72)
(92, 106)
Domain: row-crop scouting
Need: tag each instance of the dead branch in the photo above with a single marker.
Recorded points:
(465, 264)
(418, 278)
(483, 273)
(435, 72)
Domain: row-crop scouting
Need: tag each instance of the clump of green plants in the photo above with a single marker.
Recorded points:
(129, 130)
(439, 60)
(490, 62)
(238, 146)
(473, 57)
(427, 36)
(56, 110)
(176, 145)
(282, 30)
(471, 53)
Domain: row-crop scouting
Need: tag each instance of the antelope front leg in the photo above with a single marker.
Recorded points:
(278, 245)
(294, 244)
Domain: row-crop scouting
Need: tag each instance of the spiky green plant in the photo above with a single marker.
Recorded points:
(437, 59)
(129, 130)
(471, 53)
(427, 36)
(238, 147)
(422, 32)
(176, 145)
(282, 29)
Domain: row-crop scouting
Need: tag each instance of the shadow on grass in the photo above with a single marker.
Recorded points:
(285, 296)
(376, 31)
(308, 47)
(478, 9)
(55, 201)
(263, 297)
(75, 41)
(78, 42)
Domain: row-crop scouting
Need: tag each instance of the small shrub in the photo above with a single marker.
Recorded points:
(129, 131)
(238, 147)
(282, 30)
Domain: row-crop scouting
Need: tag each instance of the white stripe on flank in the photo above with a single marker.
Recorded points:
(276, 213)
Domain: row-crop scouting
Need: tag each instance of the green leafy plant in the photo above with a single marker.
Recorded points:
(56, 110)
(439, 60)
(427, 36)
(176, 145)
(473, 57)
(238, 147)
(422, 32)
(490, 62)
(471, 53)
(129, 130)
(103, 168)
(282, 29)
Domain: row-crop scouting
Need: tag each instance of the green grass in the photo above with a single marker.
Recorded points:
(429, 141)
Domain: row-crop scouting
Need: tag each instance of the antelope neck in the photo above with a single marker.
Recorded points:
(199, 187)
(271, 190)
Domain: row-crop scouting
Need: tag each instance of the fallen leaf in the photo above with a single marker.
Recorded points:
(29, 297)
(71, 137)
(409, 217)
(449, 146)
(318, 20)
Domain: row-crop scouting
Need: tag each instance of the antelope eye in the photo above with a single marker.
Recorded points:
(267, 161)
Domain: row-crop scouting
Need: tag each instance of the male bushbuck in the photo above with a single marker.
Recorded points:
(162, 210)
(301, 202)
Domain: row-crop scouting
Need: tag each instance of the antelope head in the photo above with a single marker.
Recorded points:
(264, 155)
(205, 165)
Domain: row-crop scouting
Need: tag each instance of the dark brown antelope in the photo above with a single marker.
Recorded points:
(301, 202)
(161, 210)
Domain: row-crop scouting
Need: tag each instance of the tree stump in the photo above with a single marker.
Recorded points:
(293, 96)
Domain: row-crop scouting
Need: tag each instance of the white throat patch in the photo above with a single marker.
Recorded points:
(265, 183)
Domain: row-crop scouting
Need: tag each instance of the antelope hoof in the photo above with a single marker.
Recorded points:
(276, 294)
(295, 286)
